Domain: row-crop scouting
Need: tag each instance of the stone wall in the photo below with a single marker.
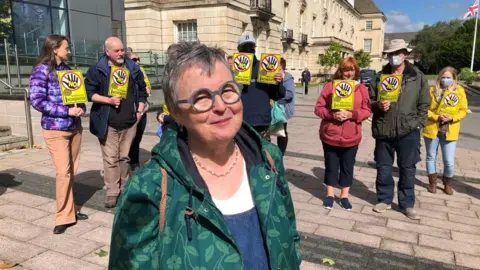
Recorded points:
(12, 113)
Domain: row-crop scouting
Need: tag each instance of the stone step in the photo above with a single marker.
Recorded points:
(5, 131)
(12, 142)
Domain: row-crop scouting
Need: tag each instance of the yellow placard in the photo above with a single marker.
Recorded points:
(242, 67)
(343, 95)
(269, 66)
(118, 86)
(72, 87)
(450, 104)
(390, 86)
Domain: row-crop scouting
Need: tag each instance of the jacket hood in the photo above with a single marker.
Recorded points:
(173, 154)
(103, 64)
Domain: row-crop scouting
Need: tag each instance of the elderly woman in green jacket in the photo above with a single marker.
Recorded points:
(214, 195)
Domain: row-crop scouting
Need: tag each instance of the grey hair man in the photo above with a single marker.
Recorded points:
(396, 127)
(113, 119)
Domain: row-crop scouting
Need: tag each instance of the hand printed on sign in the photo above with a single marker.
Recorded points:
(120, 76)
(451, 100)
(71, 81)
(390, 84)
(344, 90)
(270, 63)
(242, 63)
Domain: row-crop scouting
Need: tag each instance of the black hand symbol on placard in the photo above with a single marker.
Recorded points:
(120, 77)
(270, 63)
(242, 63)
(72, 81)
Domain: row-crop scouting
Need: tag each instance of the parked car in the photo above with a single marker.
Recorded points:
(366, 75)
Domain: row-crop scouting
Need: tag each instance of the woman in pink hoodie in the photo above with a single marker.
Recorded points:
(341, 133)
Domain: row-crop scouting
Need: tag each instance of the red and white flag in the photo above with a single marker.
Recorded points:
(472, 11)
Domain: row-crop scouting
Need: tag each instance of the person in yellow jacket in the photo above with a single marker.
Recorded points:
(448, 107)
(136, 59)
(134, 153)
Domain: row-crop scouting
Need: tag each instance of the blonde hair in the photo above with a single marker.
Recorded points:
(452, 87)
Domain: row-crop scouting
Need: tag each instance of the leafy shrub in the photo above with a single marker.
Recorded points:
(467, 75)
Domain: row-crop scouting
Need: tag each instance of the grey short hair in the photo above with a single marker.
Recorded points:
(182, 56)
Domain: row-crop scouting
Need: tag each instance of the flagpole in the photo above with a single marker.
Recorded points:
(474, 41)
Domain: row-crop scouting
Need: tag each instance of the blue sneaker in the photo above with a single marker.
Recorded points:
(328, 202)
(345, 204)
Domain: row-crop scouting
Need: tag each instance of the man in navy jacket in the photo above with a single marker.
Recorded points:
(256, 96)
(113, 119)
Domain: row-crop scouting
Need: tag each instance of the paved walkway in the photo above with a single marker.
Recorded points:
(446, 237)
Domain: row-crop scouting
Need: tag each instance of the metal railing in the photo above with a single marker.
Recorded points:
(12, 57)
(287, 34)
(28, 115)
(261, 4)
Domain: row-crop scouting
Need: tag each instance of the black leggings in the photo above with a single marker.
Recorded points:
(134, 153)
(283, 141)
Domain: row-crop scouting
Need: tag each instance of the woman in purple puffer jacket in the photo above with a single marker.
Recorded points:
(61, 124)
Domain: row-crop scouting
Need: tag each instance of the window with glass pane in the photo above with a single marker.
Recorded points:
(32, 24)
(59, 3)
(367, 45)
(41, 2)
(187, 31)
(369, 25)
(60, 21)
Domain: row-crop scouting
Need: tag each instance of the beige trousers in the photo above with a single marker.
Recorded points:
(116, 163)
(64, 148)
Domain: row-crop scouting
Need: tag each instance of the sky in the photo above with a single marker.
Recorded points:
(412, 15)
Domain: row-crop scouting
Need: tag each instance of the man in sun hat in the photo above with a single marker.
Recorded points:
(256, 96)
(396, 127)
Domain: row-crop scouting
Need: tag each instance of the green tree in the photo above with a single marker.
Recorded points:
(363, 58)
(430, 44)
(5, 19)
(332, 56)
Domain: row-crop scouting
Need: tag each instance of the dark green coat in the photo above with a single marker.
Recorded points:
(166, 218)
(409, 113)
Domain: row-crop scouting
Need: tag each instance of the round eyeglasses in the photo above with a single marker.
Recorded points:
(203, 99)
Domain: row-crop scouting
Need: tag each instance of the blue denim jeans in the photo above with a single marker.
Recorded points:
(407, 152)
(448, 154)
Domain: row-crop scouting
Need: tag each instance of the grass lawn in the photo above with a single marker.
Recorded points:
(431, 77)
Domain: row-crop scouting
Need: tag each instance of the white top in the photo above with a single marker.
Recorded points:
(241, 201)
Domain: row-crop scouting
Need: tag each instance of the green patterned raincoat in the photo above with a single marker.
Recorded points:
(166, 218)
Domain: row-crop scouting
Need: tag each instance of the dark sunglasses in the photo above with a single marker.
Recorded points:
(135, 59)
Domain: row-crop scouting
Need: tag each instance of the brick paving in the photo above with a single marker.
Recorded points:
(446, 237)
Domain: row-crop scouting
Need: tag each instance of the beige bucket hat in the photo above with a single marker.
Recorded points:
(396, 45)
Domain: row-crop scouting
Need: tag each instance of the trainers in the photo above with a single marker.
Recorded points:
(328, 202)
(411, 213)
(382, 207)
(345, 204)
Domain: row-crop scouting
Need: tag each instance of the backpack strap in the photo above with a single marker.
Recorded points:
(163, 200)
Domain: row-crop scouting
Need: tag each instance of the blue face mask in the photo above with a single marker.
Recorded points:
(446, 82)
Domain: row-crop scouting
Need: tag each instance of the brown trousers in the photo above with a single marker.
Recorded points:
(116, 163)
(64, 148)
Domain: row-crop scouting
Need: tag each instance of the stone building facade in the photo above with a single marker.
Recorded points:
(300, 30)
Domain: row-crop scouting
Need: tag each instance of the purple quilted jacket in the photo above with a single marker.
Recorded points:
(46, 98)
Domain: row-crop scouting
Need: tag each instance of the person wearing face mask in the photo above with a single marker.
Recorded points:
(396, 128)
(256, 96)
(443, 127)
(341, 133)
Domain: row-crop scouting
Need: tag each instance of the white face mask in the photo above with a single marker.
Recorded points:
(395, 60)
